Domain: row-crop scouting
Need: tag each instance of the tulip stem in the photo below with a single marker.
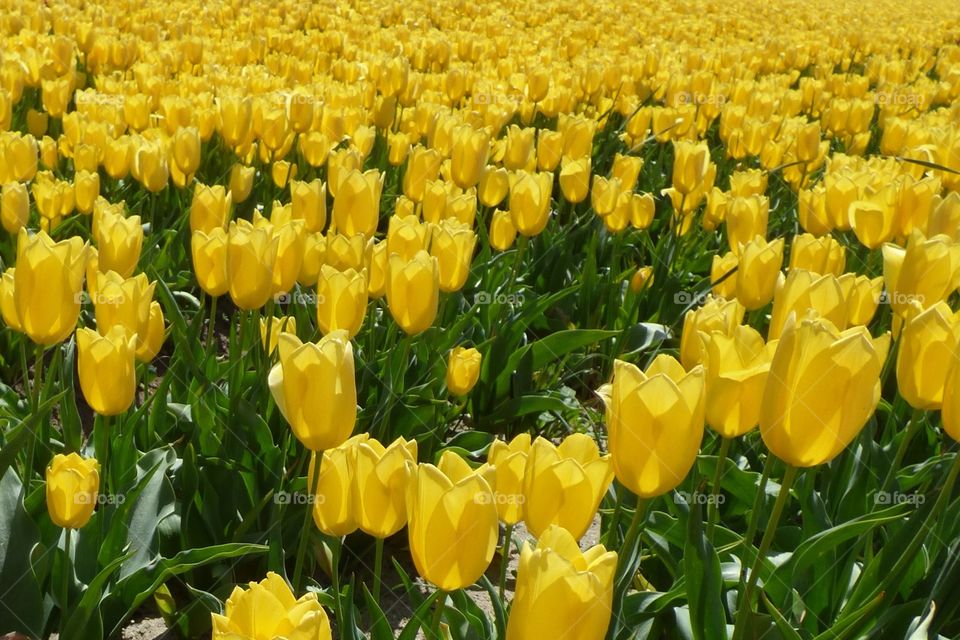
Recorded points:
(754, 517)
(305, 531)
(745, 606)
(212, 323)
(916, 422)
(625, 567)
(712, 506)
(438, 615)
(377, 568)
(65, 583)
(505, 560)
(335, 552)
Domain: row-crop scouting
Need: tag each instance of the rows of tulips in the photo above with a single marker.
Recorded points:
(316, 317)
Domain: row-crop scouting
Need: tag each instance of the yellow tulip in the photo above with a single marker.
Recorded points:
(627, 170)
(494, 186)
(452, 521)
(314, 256)
(8, 308)
(268, 609)
(872, 221)
(518, 149)
(47, 284)
(758, 270)
(510, 462)
(72, 484)
(575, 179)
(348, 252)
(335, 498)
(690, 165)
(862, 295)
(291, 240)
(128, 302)
(562, 592)
(423, 165)
(309, 200)
(564, 484)
(641, 279)
(823, 386)
(150, 166)
(119, 242)
(14, 207)
(186, 150)
(150, 342)
(406, 236)
(748, 183)
(314, 386)
(927, 343)
(530, 202)
(655, 424)
(251, 254)
(502, 232)
(413, 291)
(736, 369)
(315, 147)
(802, 290)
(271, 329)
(925, 272)
(381, 475)
(209, 253)
(950, 413)
(821, 255)
(463, 370)
(341, 300)
(86, 187)
(241, 182)
(452, 245)
(746, 219)
(604, 195)
(549, 149)
(469, 156)
(210, 208)
(105, 364)
(723, 274)
(716, 314)
(356, 208)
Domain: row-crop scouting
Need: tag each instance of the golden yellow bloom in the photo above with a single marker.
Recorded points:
(530, 202)
(759, 268)
(381, 475)
(105, 364)
(423, 165)
(119, 241)
(927, 343)
(335, 504)
(716, 314)
(268, 609)
(413, 291)
(502, 232)
(575, 178)
(510, 462)
(862, 295)
(923, 273)
(802, 290)
(210, 208)
(690, 164)
(209, 253)
(452, 244)
(406, 236)
(341, 300)
(241, 182)
(14, 207)
(271, 329)
(642, 278)
(818, 254)
(309, 200)
(736, 369)
(463, 370)
(469, 156)
(494, 186)
(72, 484)
(746, 219)
(251, 254)
(356, 208)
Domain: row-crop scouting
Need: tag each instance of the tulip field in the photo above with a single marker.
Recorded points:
(506, 320)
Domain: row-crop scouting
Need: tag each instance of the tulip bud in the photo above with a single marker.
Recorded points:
(655, 424)
(272, 327)
(494, 185)
(821, 255)
(627, 170)
(716, 314)
(925, 272)
(119, 241)
(356, 208)
(502, 232)
(584, 475)
(241, 182)
(423, 165)
(406, 236)
(381, 475)
(14, 207)
(209, 253)
(746, 219)
(723, 275)
(557, 577)
(510, 463)
(862, 295)
(823, 387)
(452, 245)
(251, 255)
(451, 506)
(463, 370)
(802, 290)
(759, 268)
(86, 186)
(926, 347)
(604, 195)
(314, 386)
(336, 505)
(47, 284)
(105, 364)
(690, 164)
(750, 182)
(575, 179)
(549, 149)
(243, 613)
(469, 156)
(413, 291)
(736, 369)
(530, 202)
(341, 300)
(72, 484)
(210, 208)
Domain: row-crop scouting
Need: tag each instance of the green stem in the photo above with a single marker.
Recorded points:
(438, 616)
(305, 530)
(625, 568)
(712, 506)
(754, 518)
(65, 584)
(211, 324)
(916, 422)
(745, 606)
(377, 568)
(505, 560)
(335, 552)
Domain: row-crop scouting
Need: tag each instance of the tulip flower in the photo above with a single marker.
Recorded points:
(14, 207)
(452, 244)
(251, 254)
(510, 462)
(380, 477)
(716, 314)
(47, 284)
(241, 182)
(823, 386)
(314, 386)
(747, 183)
(872, 221)
(862, 295)
(127, 302)
(746, 218)
(210, 208)
(413, 291)
(564, 484)
(562, 592)
(423, 165)
(341, 300)
(575, 179)
(641, 279)
(502, 233)
(347, 252)
(270, 330)
(309, 200)
(452, 521)
(463, 370)
(925, 272)
(549, 149)
(715, 213)
(690, 165)
(530, 202)
(150, 166)
(736, 369)
(655, 423)
(268, 609)
(290, 239)
(518, 150)
(757, 272)
(821, 255)
(314, 256)
(86, 188)
(335, 497)
(72, 484)
(950, 413)
(150, 342)
(119, 242)
(802, 290)
(8, 309)
(106, 369)
(406, 236)
(469, 156)
(723, 274)
(927, 343)
(494, 186)
(627, 170)
(209, 253)
(356, 208)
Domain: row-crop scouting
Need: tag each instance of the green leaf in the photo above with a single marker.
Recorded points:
(704, 581)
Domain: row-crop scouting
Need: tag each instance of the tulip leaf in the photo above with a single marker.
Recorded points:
(420, 618)
(380, 627)
(499, 613)
(21, 599)
(783, 626)
(704, 581)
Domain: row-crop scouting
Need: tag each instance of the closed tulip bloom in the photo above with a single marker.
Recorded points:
(502, 232)
(808, 142)
(823, 386)
(270, 330)
(309, 200)
(423, 165)
(746, 219)
(925, 272)
(862, 295)
(945, 216)
(562, 592)
(149, 343)
(655, 423)
(186, 150)
(950, 413)
(821, 255)
(802, 290)
(736, 369)
(518, 151)
(314, 256)
(251, 254)
(105, 365)
(47, 284)
(759, 268)
(413, 291)
(291, 241)
(627, 170)
(748, 183)
(452, 521)
(690, 164)
(575, 179)
(463, 370)
(14, 207)
(241, 182)
(150, 166)
(314, 146)
(549, 149)
(86, 189)
(8, 308)
(469, 156)
(716, 210)
(452, 245)
(510, 462)
(604, 195)
(72, 484)
(564, 484)
(840, 192)
(723, 274)
(530, 202)
(406, 236)
(872, 222)
(117, 157)
(381, 475)
(716, 314)
(236, 115)
(126, 302)
(119, 241)
(577, 135)
(641, 279)
(347, 252)
(356, 208)
(209, 253)
(210, 208)
(494, 185)
(926, 351)
(268, 609)
(335, 508)
(341, 300)
(315, 388)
